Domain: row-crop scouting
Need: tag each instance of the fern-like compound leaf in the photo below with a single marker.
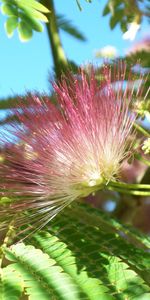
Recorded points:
(83, 254)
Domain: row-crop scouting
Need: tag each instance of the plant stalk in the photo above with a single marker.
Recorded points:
(59, 58)
(141, 129)
(7, 241)
(142, 159)
(129, 192)
(130, 186)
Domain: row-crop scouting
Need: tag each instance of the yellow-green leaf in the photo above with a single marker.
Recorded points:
(32, 4)
(10, 25)
(34, 14)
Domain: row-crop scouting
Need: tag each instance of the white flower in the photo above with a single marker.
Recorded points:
(131, 32)
(107, 52)
(146, 146)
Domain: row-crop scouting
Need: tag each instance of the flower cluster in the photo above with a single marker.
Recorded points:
(68, 150)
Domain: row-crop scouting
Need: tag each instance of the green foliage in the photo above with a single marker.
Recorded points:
(25, 31)
(13, 102)
(25, 16)
(118, 16)
(83, 254)
(67, 27)
(124, 12)
(11, 286)
(10, 25)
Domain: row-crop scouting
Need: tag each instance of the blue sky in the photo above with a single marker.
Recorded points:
(25, 66)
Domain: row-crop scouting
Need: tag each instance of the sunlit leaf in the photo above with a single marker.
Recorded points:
(33, 4)
(34, 14)
(82, 254)
(11, 285)
(10, 25)
(29, 12)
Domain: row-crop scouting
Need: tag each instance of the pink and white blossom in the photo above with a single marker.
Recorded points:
(69, 150)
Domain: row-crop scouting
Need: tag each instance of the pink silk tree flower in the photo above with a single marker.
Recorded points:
(59, 153)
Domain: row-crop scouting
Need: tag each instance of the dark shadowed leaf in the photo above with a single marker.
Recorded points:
(35, 25)
(8, 103)
(106, 10)
(116, 18)
(9, 10)
(66, 26)
(25, 31)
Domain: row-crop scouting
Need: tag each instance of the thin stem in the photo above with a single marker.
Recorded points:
(59, 58)
(141, 129)
(145, 161)
(132, 186)
(7, 241)
(129, 192)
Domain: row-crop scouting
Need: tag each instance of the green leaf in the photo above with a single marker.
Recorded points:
(35, 25)
(106, 10)
(66, 26)
(9, 10)
(42, 278)
(32, 4)
(29, 11)
(8, 103)
(11, 284)
(116, 18)
(123, 25)
(25, 31)
(10, 25)
(84, 254)
(34, 14)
